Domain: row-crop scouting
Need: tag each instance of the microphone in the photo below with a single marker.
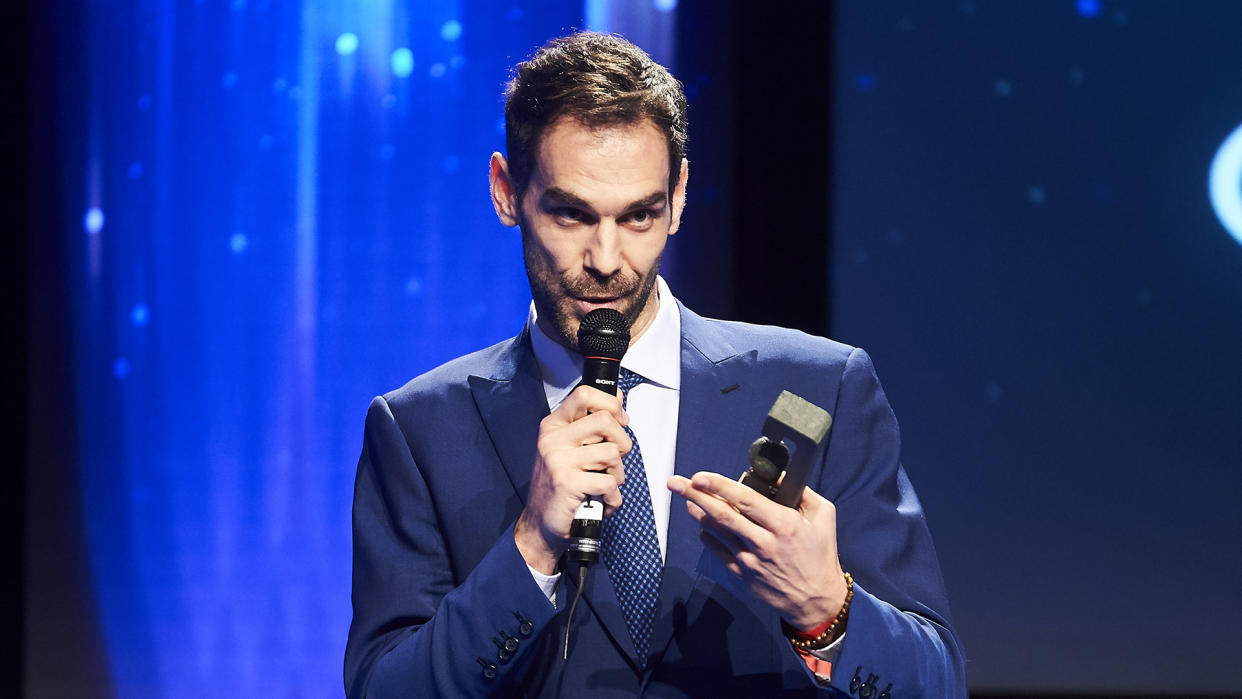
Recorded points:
(603, 338)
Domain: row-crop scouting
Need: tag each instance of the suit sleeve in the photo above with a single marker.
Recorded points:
(899, 637)
(416, 631)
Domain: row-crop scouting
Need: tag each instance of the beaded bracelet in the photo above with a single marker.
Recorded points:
(829, 635)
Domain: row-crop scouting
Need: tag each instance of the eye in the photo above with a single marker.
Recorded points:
(568, 214)
(641, 218)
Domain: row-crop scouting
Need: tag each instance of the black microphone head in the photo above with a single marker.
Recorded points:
(604, 333)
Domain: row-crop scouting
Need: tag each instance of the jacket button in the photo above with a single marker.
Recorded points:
(511, 644)
(489, 669)
(525, 626)
(503, 655)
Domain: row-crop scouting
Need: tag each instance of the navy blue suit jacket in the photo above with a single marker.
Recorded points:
(438, 580)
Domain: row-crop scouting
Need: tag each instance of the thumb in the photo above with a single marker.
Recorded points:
(814, 506)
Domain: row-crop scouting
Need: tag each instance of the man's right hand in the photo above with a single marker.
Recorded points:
(578, 454)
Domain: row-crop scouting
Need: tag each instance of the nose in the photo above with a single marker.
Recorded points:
(603, 252)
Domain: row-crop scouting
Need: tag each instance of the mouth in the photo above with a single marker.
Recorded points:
(590, 303)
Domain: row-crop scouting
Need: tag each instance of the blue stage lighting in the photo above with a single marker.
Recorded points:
(140, 315)
(93, 220)
(665, 5)
(347, 44)
(1088, 8)
(402, 62)
(312, 144)
(1225, 184)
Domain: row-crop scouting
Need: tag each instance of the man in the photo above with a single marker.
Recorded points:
(471, 474)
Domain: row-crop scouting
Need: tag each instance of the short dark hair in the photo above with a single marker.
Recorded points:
(597, 80)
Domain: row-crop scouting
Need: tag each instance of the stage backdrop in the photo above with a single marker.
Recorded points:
(257, 215)
(1026, 243)
(271, 212)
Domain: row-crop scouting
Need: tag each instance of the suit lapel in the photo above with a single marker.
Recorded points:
(714, 375)
(511, 403)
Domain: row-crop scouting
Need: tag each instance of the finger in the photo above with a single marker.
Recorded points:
(602, 458)
(812, 504)
(585, 400)
(767, 514)
(591, 429)
(820, 512)
(604, 487)
(728, 547)
(808, 504)
(695, 511)
(728, 539)
(720, 512)
(743, 561)
(702, 506)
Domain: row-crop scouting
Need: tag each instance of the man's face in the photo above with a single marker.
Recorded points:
(595, 217)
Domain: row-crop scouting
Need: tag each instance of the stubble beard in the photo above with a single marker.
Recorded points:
(554, 294)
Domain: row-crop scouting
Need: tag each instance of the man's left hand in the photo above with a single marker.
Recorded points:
(787, 558)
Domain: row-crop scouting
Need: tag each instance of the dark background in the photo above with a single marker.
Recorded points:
(1023, 238)
(1005, 204)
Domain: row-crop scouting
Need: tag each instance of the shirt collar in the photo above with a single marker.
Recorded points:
(656, 356)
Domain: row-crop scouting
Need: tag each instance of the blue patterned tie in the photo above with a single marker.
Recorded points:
(631, 550)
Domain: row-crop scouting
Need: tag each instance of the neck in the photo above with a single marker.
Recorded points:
(645, 316)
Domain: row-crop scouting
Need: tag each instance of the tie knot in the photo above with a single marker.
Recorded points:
(628, 380)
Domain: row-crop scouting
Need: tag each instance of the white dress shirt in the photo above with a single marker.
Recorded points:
(652, 405)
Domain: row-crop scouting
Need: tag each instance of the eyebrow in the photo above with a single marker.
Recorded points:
(561, 196)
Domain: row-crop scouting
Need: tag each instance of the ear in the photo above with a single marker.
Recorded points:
(503, 198)
(679, 196)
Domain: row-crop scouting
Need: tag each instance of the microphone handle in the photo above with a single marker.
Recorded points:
(601, 373)
(588, 525)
